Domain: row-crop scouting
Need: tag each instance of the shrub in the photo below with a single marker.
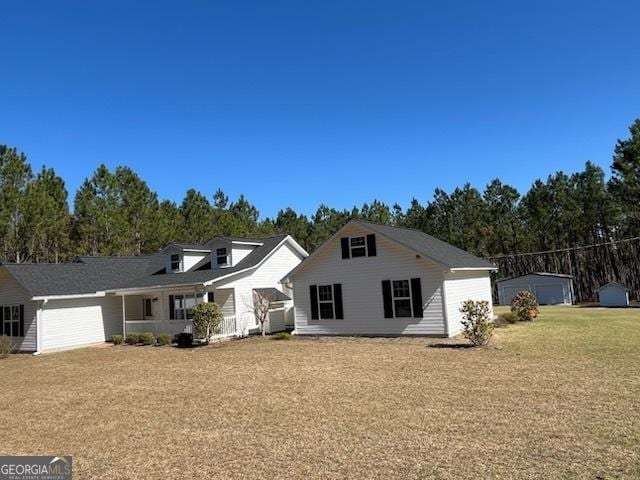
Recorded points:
(132, 338)
(117, 339)
(281, 336)
(476, 321)
(147, 338)
(508, 317)
(207, 318)
(184, 339)
(6, 346)
(524, 305)
(164, 339)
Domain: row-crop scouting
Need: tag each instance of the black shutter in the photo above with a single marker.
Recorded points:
(313, 294)
(210, 297)
(371, 245)
(337, 301)
(386, 299)
(172, 312)
(22, 320)
(1, 320)
(416, 296)
(345, 247)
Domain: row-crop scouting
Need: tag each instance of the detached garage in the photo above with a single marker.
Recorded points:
(549, 288)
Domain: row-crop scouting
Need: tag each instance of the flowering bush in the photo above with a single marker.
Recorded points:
(476, 322)
(525, 306)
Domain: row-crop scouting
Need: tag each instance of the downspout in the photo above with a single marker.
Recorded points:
(39, 327)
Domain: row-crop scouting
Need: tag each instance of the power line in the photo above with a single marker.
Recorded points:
(544, 252)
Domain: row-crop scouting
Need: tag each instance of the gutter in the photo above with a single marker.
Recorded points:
(39, 328)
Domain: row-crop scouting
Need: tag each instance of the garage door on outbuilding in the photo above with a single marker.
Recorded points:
(549, 288)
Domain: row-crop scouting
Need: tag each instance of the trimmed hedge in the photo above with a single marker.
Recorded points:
(281, 336)
(117, 339)
(132, 339)
(164, 339)
(147, 338)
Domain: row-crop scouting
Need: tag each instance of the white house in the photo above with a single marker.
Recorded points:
(372, 279)
(46, 307)
(613, 294)
(549, 288)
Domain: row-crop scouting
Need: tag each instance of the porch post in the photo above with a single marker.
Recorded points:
(124, 317)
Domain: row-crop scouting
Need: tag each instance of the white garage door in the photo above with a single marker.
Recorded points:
(550, 294)
(73, 323)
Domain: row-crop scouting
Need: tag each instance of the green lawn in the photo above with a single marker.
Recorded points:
(557, 398)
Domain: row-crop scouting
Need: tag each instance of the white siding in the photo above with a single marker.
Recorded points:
(536, 284)
(280, 263)
(225, 298)
(276, 321)
(12, 293)
(239, 252)
(361, 280)
(74, 323)
(190, 259)
(461, 286)
(613, 295)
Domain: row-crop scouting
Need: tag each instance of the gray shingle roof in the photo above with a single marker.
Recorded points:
(272, 293)
(542, 274)
(430, 247)
(95, 274)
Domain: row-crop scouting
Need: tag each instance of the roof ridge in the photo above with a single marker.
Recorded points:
(395, 226)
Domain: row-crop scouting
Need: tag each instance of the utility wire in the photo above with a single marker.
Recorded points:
(513, 255)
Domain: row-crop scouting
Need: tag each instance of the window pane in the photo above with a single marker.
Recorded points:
(16, 329)
(401, 288)
(357, 241)
(222, 260)
(403, 308)
(179, 314)
(15, 313)
(325, 292)
(359, 252)
(7, 313)
(221, 251)
(326, 310)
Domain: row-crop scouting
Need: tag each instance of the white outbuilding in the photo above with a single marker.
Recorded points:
(613, 294)
(549, 288)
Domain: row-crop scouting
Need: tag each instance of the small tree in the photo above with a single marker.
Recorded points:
(262, 304)
(207, 318)
(525, 305)
(476, 322)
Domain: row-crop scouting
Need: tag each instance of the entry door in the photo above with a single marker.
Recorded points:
(149, 308)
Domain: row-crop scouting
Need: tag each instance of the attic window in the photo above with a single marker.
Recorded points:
(221, 256)
(175, 262)
(358, 247)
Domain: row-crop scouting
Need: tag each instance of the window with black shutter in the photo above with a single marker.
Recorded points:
(402, 298)
(326, 302)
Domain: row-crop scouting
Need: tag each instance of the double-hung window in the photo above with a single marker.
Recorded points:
(358, 246)
(221, 257)
(176, 264)
(11, 320)
(401, 298)
(326, 302)
(147, 305)
(183, 306)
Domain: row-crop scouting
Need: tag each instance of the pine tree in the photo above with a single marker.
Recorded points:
(15, 175)
(625, 183)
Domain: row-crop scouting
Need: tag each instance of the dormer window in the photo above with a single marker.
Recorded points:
(176, 263)
(358, 247)
(221, 257)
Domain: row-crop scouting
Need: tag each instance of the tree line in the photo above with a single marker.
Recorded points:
(116, 213)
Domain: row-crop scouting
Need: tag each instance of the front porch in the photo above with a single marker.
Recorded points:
(168, 311)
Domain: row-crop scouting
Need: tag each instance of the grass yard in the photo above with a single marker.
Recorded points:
(559, 398)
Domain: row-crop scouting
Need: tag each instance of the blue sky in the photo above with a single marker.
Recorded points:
(294, 103)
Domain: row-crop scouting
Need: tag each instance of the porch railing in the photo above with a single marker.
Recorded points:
(173, 327)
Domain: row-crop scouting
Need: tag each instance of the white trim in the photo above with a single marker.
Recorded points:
(394, 298)
(238, 242)
(71, 296)
(472, 269)
(39, 327)
(195, 250)
(332, 302)
(364, 245)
